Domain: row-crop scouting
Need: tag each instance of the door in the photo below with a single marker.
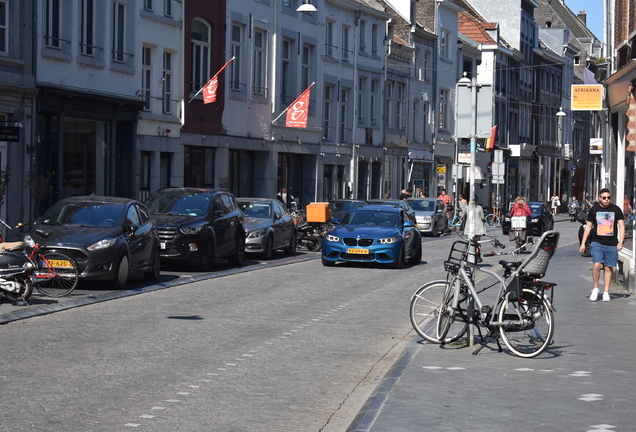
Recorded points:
(138, 239)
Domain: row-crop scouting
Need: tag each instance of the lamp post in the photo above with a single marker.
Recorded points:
(560, 115)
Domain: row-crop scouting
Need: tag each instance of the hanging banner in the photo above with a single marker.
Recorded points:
(596, 146)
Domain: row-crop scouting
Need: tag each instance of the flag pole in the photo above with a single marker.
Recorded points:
(205, 85)
(285, 110)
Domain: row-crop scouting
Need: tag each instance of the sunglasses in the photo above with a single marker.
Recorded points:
(605, 197)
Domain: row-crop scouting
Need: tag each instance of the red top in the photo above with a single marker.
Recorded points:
(523, 210)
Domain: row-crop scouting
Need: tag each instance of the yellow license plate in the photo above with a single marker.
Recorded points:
(60, 263)
(358, 251)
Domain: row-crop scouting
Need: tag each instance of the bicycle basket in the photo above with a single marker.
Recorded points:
(460, 251)
(518, 222)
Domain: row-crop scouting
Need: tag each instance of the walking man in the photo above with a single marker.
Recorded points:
(606, 229)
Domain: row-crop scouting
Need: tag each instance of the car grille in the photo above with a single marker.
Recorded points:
(357, 242)
(167, 233)
(358, 257)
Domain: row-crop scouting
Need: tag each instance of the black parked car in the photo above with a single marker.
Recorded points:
(542, 220)
(110, 238)
(197, 226)
(338, 207)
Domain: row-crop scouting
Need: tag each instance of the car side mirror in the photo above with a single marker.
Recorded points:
(218, 213)
(408, 224)
(277, 216)
(335, 221)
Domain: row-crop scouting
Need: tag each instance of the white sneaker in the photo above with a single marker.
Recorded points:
(606, 296)
(594, 294)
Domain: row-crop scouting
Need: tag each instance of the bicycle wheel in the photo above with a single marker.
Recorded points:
(57, 274)
(530, 324)
(492, 220)
(446, 313)
(424, 309)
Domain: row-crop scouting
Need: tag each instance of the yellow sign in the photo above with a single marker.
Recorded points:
(587, 97)
(441, 169)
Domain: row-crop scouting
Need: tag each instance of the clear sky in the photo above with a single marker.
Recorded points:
(594, 11)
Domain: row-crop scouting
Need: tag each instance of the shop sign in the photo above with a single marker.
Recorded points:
(587, 97)
(10, 133)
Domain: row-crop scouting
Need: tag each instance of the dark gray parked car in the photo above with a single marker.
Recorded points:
(269, 226)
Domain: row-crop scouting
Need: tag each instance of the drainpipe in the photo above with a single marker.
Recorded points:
(354, 123)
(383, 119)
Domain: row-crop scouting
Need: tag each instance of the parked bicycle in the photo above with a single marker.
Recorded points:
(492, 220)
(522, 314)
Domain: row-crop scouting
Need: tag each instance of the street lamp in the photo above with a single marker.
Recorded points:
(560, 115)
(306, 7)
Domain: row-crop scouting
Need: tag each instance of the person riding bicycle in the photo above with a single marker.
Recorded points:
(520, 208)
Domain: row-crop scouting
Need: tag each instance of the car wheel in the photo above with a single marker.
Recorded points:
(399, 262)
(417, 258)
(328, 263)
(239, 257)
(121, 274)
(155, 268)
(291, 249)
(208, 258)
(268, 252)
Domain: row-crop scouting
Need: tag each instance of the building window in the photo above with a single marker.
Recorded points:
(167, 8)
(148, 5)
(363, 35)
(200, 43)
(198, 167)
(361, 92)
(389, 104)
(3, 27)
(258, 64)
(443, 109)
(306, 71)
(344, 99)
(286, 73)
(399, 99)
(146, 76)
(53, 24)
(329, 47)
(427, 66)
(444, 41)
(144, 173)
(373, 102)
(87, 28)
(235, 66)
(326, 125)
(374, 39)
(119, 24)
(166, 91)
(345, 43)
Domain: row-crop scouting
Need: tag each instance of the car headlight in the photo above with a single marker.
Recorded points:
(332, 238)
(29, 241)
(388, 240)
(427, 218)
(534, 220)
(191, 230)
(102, 244)
(256, 233)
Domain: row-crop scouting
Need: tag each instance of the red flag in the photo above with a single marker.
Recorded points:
(210, 89)
(490, 142)
(298, 111)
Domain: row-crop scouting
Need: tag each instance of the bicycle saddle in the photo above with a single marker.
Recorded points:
(510, 265)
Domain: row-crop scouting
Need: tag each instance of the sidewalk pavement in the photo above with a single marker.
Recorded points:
(585, 381)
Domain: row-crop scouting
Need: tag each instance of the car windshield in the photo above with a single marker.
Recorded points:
(340, 207)
(260, 210)
(536, 208)
(371, 217)
(422, 205)
(183, 205)
(84, 214)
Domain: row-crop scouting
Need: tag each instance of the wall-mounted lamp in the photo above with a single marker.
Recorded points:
(306, 7)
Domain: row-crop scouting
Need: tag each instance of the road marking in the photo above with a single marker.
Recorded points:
(158, 408)
(147, 416)
(173, 400)
(183, 393)
(194, 386)
(432, 367)
(591, 397)
(601, 428)
(524, 370)
(455, 368)
(133, 424)
(580, 374)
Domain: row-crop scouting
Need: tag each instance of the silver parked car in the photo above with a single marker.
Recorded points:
(268, 226)
(430, 215)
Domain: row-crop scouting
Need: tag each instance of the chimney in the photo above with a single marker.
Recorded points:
(582, 16)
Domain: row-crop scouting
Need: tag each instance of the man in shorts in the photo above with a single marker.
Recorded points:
(606, 228)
